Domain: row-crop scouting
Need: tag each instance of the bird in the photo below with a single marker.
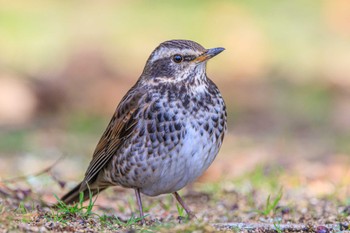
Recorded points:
(166, 130)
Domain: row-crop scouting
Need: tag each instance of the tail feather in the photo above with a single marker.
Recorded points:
(73, 196)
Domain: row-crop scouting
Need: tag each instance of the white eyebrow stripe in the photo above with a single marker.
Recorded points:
(166, 52)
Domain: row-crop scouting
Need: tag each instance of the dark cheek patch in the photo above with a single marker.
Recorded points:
(162, 68)
(166, 67)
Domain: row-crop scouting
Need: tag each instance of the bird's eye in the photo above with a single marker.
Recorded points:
(177, 58)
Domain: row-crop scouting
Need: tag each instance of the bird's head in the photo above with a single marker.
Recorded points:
(177, 60)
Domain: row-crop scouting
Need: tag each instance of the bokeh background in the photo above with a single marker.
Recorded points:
(285, 76)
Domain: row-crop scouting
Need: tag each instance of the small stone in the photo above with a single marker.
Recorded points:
(235, 207)
(285, 210)
(322, 229)
(61, 183)
(343, 226)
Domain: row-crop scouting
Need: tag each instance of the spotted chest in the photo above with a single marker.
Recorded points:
(176, 138)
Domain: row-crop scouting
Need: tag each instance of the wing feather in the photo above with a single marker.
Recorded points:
(118, 130)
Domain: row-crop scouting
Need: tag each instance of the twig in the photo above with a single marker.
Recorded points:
(44, 171)
(270, 227)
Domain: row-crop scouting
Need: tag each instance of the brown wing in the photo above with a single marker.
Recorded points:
(118, 130)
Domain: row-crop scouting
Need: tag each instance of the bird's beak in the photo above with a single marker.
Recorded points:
(208, 54)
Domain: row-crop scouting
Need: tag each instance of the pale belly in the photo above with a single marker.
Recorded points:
(184, 165)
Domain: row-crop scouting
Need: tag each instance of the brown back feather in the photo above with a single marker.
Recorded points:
(118, 130)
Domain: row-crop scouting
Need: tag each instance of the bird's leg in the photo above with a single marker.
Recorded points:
(190, 214)
(139, 203)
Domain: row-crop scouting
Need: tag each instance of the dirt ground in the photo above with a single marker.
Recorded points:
(241, 192)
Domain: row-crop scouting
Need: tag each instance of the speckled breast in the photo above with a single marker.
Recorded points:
(176, 139)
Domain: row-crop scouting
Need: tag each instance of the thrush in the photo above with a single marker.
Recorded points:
(165, 132)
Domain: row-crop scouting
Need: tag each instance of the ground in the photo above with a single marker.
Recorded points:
(298, 196)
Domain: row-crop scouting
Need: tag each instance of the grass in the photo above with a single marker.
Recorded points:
(167, 203)
(132, 204)
(64, 211)
(180, 210)
(22, 209)
(182, 215)
(261, 176)
(277, 226)
(217, 202)
(271, 205)
(110, 221)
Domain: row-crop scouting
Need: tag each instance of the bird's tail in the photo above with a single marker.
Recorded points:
(73, 196)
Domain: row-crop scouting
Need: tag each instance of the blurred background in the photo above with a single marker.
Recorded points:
(285, 76)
